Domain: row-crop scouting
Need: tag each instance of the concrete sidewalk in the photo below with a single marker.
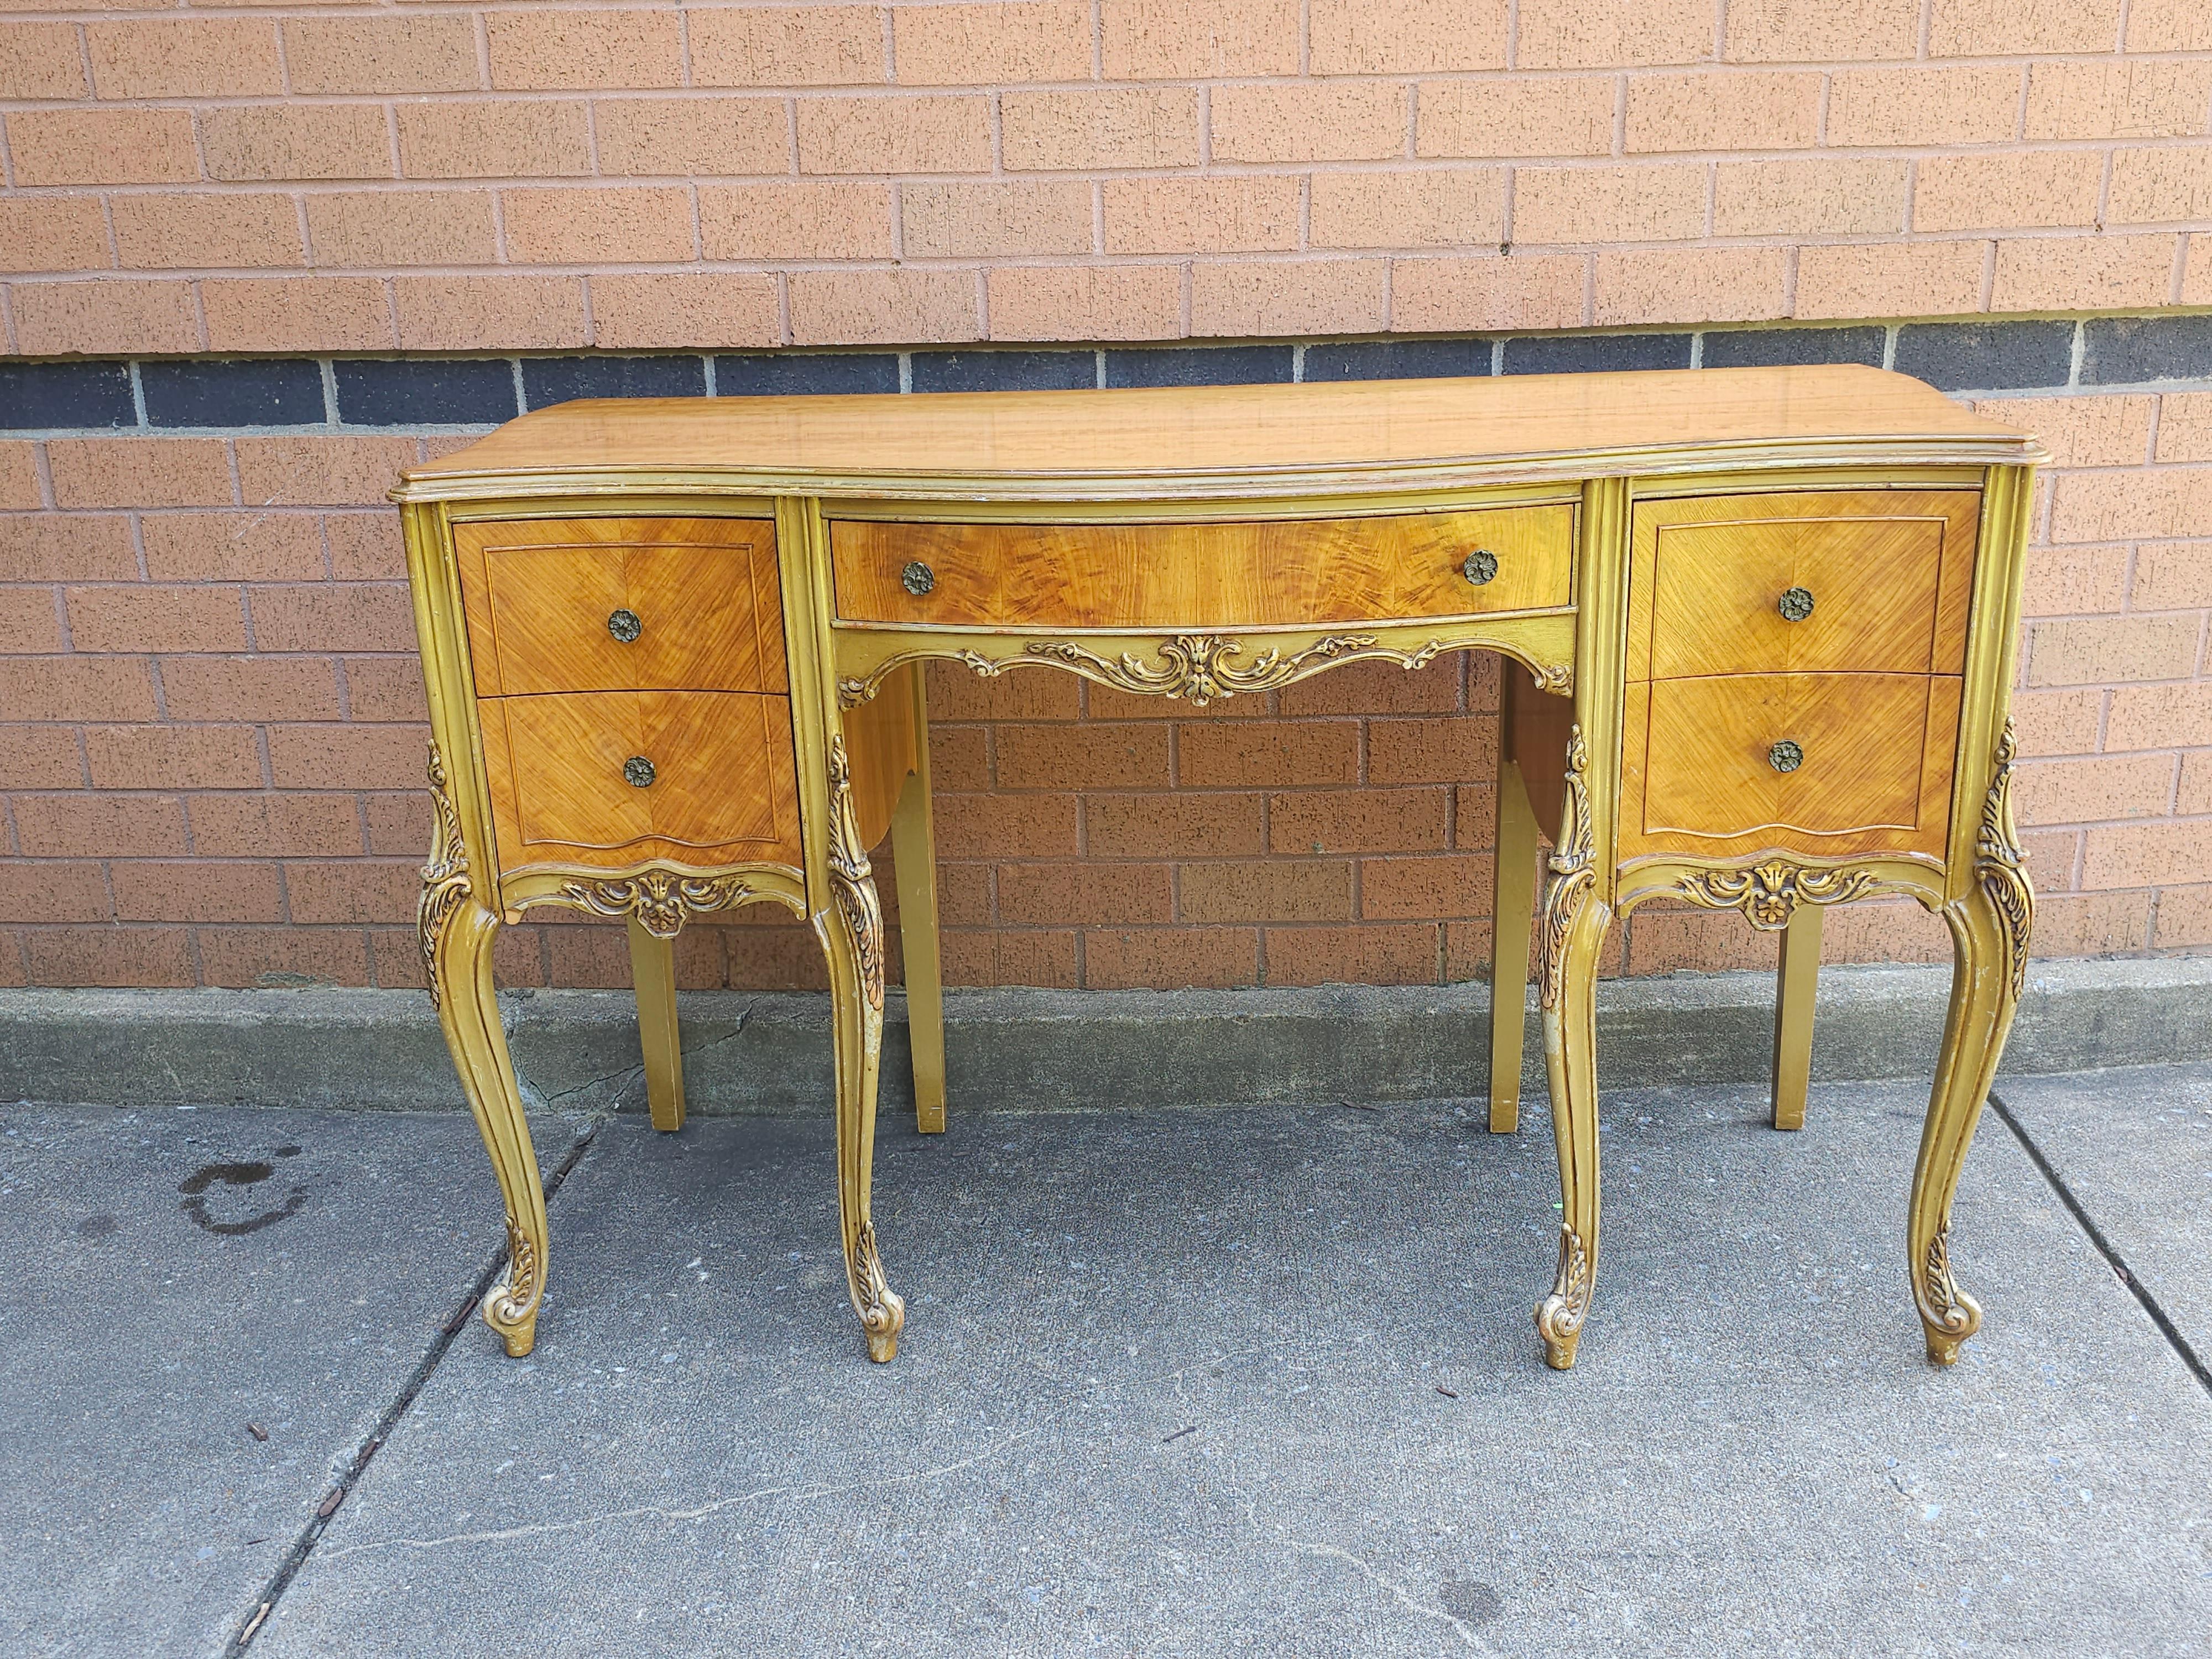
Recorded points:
(1210, 1382)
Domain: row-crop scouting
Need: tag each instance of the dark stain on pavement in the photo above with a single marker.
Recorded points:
(195, 1187)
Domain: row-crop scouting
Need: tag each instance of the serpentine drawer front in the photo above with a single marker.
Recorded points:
(1761, 623)
(1210, 576)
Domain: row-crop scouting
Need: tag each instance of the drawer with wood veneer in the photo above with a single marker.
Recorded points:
(609, 604)
(1822, 764)
(1869, 580)
(612, 778)
(1205, 576)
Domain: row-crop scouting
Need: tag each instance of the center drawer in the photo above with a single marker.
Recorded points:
(1205, 575)
(609, 604)
(612, 778)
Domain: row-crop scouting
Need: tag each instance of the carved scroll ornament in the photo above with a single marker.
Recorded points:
(851, 877)
(445, 878)
(2002, 867)
(1559, 1316)
(660, 900)
(1572, 871)
(1768, 893)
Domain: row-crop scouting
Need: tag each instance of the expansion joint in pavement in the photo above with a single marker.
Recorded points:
(2171, 1332)
(312, 1534)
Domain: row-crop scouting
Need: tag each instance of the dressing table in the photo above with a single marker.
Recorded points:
(1766, 619)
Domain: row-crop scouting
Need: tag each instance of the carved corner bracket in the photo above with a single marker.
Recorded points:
(2002, 867)
(1572, 871)
(446, 877)
(662, 899)
(852, 879)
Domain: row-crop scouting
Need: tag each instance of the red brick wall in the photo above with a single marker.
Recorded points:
(210, 736)
(429, 177)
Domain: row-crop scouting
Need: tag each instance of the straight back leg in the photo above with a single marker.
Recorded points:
(653, 971)
(1513, 905)
(914, 852)
(1798, 983)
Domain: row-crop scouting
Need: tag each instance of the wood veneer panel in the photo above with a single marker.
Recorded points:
(725, 787)
(1171, 431)
(539, 593)
(1876, 776)
(1205, 575)
(1890, 572)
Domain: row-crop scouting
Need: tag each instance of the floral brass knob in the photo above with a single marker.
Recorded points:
(1481, 565)
(1795, 605)
(917, 578)
(637, 772)
(625, 626)
(1786, 757)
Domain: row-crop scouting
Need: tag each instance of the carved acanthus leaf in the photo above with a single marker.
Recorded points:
(445, 878)
(1770, 891)
(2002, 867)
(1559, 1316)
(1197, 666)
(882, 1312)
(1942, 1304)
(1571, 871)
(852, 879)
(662, 899)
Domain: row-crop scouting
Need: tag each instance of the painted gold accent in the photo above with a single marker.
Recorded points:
(659, 900)
(512, 1304)
(445, 877)
(883, 1312)
(2002, 867)
(1196, 666)
(1571, 871)
(851, 876)
(1559, 1316)
(1769, 893)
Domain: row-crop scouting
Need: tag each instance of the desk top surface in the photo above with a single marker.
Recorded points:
(1624, 422)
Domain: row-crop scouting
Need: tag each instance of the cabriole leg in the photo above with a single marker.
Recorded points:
(653, 972)
(851, 934)
(913, 851)
(1990, 928)
(458, 943)
(1575, 922)
(1797, 985)
(1513, 905)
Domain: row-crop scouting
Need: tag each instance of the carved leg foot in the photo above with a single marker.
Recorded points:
(1989, 928)
(1574, 927)
(851, 934)
(458, 941)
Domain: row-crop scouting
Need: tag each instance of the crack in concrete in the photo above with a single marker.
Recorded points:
(655, 1511)
(1405, 1597)
(2105, 1248)
(354, 1466)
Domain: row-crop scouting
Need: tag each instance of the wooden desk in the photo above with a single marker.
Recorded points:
(1767, 617)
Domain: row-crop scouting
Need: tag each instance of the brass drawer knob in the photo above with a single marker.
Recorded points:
(637, 772)
(1795, 605)
(917, 578)
(1786, 757)
(1481, 565)
(625, 626)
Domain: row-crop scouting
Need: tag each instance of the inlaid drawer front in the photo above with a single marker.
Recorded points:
(1826, 764)
(1205, 575)
(607, 604)
(614, 777)
(1872, 580)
